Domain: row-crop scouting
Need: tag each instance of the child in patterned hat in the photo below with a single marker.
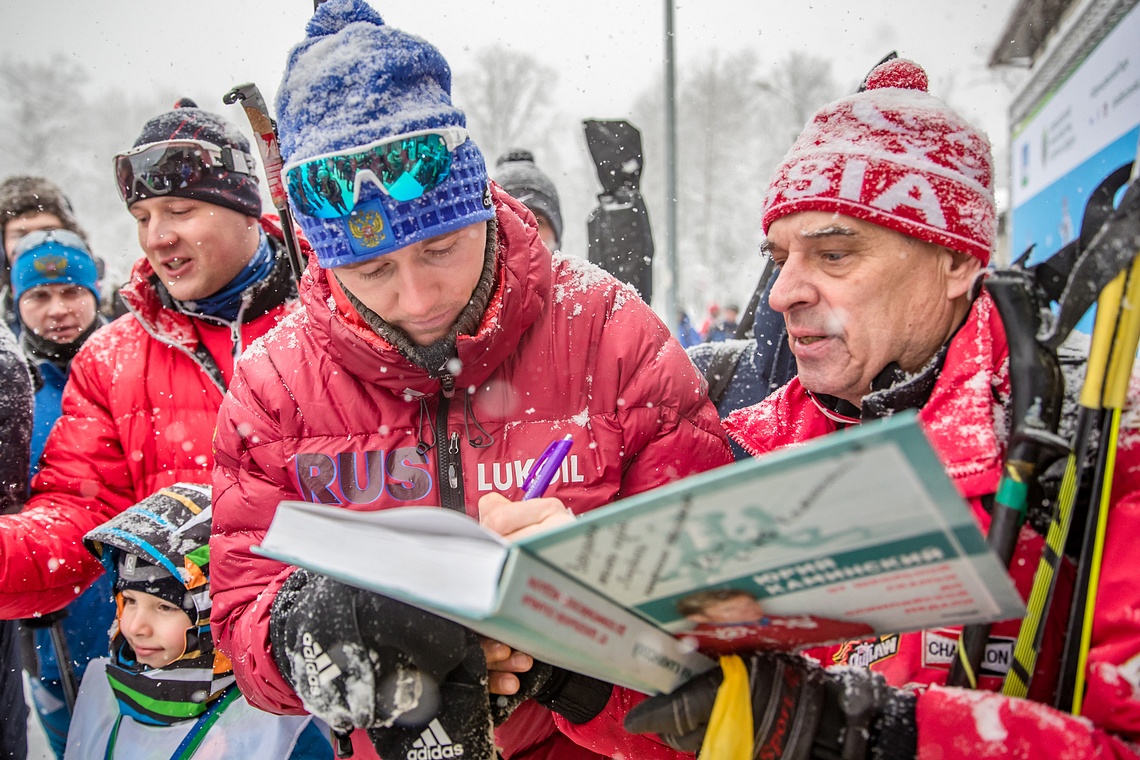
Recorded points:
(167, 691)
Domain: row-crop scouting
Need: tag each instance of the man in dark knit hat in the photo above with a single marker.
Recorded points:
(516, 172)
(139, 409)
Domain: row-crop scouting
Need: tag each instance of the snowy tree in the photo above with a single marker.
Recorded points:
(506, 96)
(735, 120)
(41, 105)
(55, 126)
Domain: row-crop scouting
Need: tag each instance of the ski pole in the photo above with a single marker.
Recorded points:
(63, 660)
(1092, 265)
(1079, 636)
(1031, 634)
(1037, 391)
(265, 131)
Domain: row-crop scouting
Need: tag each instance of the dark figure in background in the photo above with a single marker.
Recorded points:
(516, 172)
(744, 369)
(724, 327)
(16, 432)
(687, 335)
(620, 240)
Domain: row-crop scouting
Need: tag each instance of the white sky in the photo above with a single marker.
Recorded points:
(604, 50)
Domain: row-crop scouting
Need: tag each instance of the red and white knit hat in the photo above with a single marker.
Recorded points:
(895, 156)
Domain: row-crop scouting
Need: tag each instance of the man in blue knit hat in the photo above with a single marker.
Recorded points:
(56, 292)
(441, 347)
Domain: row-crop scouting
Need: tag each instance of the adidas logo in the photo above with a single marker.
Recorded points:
(433, 744)
(319, 667)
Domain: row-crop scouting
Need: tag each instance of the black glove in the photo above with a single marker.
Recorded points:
(458, 724)
(361, 660)
(799, 711)
(576, 697)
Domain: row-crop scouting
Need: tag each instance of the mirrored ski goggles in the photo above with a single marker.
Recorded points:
(405, 167)
(161, 168)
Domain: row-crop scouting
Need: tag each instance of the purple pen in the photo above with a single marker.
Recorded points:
(539, 477)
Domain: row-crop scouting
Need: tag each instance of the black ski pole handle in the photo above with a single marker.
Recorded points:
(1037, 388)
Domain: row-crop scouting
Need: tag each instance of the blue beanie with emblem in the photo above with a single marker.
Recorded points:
(354, 80)
(53, 257)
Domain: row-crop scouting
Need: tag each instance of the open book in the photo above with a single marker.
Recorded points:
(855, 533)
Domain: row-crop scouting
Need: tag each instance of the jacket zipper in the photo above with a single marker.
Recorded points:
(449, 462)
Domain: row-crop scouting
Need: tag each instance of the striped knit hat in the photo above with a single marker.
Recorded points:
(161, 546)
(896, 156)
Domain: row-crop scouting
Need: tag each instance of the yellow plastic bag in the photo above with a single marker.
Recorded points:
(729, 736)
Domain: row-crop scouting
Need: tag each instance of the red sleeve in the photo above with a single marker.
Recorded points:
(530, 733)
(605, 734)
(980, 724)
(669, 427)
(83, 483)
(243, 584)
(965, 724)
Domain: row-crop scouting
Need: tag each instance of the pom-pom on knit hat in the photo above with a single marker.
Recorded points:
(221, 187)
(517, 173)
(895, 156)
(355, 80)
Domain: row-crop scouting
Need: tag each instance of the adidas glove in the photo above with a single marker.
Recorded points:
(358, 659)
(458, 724)
(799, 711)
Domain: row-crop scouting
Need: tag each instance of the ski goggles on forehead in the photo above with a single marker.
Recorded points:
(161, 168)
(404, 167)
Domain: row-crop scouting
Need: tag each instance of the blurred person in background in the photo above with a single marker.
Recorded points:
(56, 287)
(16, 432)
(28, 204)
(516, 172)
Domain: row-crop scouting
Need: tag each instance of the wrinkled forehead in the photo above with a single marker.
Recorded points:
(822, 225)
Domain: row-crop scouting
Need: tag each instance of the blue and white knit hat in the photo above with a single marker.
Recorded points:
(53, 257)
(355, 80)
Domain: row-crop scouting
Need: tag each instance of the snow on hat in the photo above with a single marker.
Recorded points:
(355, 80)
(51, 257)
(517, 173)
(221, 187)
(22, 194)
(895, 156)
(161, 546)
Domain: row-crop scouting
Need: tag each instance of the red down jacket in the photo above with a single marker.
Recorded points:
(562, 348)
(964, 421)
(138, 414)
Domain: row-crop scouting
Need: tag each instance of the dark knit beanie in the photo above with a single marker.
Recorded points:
(22, 194)
(516, 172)
(220, 186)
